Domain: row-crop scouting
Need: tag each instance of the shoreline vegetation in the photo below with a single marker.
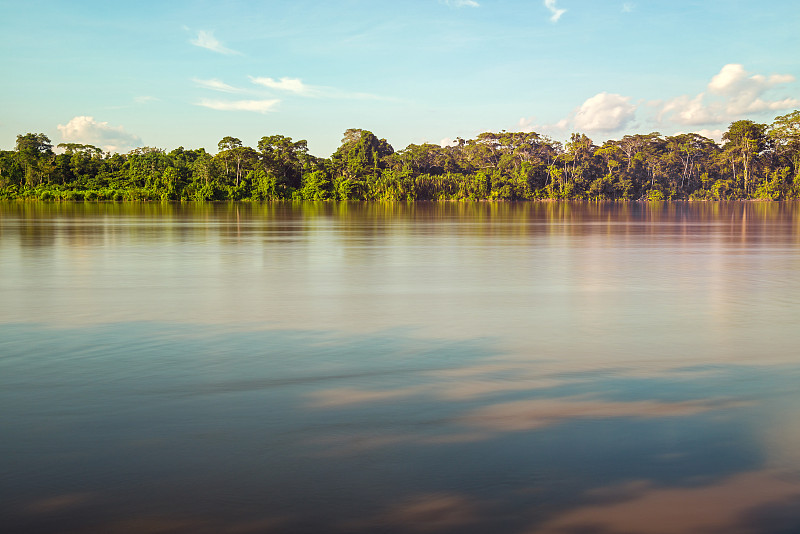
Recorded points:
(754, 162)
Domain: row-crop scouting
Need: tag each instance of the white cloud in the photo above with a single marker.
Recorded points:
(216, 85)
(732, 93)
(743, 92)
(86, 130)
(556, 12)
(145, 99)
(690, 111)
(559, 126)
(627, 7)
(292, 85)
(605, 112)
(555, 130)
(257, 106)
(528, 125)
(716, 134)
(207, 40)
(461, 3)
(296, 86)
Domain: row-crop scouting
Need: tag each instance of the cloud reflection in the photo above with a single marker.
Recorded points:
(336, 397)
(502, 376)
(739, 504)
(494, 420)
(176, 525)
(538, 413)
(438, 512)
(59, 503)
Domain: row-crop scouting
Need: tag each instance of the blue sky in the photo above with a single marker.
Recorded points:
(187, 73)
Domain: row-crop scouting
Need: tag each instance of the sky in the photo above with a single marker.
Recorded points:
(165, 74)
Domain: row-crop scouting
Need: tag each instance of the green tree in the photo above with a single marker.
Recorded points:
(784, 134)
(11, 172)
(316, 186)
(745, 141)
(144, 166)
(35, 155)
(79, 148)
(580, 165)
(236, 158)
(361, 154)
(205, 178)
(284, 159)
(686, 155)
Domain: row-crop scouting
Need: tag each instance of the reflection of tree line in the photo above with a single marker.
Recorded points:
(756, 161)
(92, 222)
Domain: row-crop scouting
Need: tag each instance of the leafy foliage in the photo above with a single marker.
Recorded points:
(756, 161)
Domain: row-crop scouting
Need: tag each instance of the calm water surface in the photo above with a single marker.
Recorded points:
(349, 368)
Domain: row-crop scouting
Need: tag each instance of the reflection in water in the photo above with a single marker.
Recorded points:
(529, 415)
(454, 367)
(747, 502)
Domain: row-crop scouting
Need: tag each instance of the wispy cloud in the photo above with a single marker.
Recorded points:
(461, 3)
(292, 85)
(628, 7)
(145, 99)
(216, 85)
(286, 85)
(298, 87)
(86, 130)
(206, 39)
(256, 106)
(556, 12)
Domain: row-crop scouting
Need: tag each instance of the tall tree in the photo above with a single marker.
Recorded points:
(745, 141)
(579, 164)
(235, 157)
(685, 155)
(284, 159)
(361, 154)
(145, 165)
(34, 152)
(784, 133)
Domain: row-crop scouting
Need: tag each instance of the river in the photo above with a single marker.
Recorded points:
(388, 367)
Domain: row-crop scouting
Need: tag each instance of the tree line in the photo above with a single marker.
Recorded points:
(754, 161)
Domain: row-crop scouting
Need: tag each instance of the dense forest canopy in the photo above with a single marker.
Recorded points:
(755, 161)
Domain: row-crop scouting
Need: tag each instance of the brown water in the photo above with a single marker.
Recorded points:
(456, 367)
